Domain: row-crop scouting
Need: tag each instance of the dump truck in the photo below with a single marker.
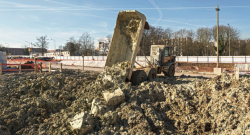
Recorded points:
(125, 45)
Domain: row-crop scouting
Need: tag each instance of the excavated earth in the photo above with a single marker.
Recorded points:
(44, 104)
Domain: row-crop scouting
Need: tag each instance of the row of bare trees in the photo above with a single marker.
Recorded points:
(201, 42)
(84, 45)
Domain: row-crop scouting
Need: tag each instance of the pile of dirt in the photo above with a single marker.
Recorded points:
(30, 100)
(48, 104)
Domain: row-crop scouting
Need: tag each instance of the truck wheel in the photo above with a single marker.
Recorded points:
(171, 71)
(151, 74)
(138, 77)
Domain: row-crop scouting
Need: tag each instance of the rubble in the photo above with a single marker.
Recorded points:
(49, 103)
(113, 98)
(4, 130)
(82, 123)
(99, 107)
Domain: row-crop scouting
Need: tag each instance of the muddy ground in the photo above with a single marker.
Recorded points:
(44, 104)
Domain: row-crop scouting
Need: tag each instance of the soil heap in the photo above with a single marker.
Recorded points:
(47, 103)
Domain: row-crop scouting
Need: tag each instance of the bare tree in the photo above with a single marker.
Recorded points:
(71, 47)
(203, 37)
(87, 44)
(3, 48)
(42, 43)
(60, 47)
(109, 38)
(189, 47)
(155, 35)
(224, 32)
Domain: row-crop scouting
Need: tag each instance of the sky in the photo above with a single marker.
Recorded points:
(21, 21)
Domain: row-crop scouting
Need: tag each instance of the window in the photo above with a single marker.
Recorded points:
(166, 52)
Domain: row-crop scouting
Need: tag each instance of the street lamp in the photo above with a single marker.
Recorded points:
(217, 9)
(229, 38)
(30, 47)
(54, 43)
(29, 43)
(7, 44)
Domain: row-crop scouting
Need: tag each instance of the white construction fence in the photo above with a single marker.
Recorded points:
(192, 59)
(94, 58)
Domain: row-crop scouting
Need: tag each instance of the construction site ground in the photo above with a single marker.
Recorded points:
(204, 67)
(52, 103)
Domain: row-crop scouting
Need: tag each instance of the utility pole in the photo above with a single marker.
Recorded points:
(217, 9)
(229, 38)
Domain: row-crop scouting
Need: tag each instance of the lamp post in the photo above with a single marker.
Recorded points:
(217, 9)
(229, 38)
(54, 44)
(7, 44)
(30, 48)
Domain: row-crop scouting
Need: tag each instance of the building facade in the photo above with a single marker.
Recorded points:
(20, 51)
(57, 52)
(103, 48)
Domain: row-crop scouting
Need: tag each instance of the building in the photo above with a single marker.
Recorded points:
(96, 51)
(20, 51)
(103, 48)
(57, 52)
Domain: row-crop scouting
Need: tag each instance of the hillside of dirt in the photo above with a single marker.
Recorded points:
(51, 103)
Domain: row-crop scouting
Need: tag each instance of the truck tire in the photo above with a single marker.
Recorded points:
(171, 71)
(151, 74)
(138, 77)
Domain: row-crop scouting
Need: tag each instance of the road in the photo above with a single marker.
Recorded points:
(101, 69)
(77, 67)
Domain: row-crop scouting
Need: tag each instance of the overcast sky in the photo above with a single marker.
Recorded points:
(23, 20)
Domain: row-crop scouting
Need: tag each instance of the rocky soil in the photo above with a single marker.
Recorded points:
(47, 104)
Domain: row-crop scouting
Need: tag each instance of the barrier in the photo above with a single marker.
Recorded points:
(193, 59)
(19, 69)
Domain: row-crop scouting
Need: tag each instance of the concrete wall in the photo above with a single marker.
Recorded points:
(3, 59)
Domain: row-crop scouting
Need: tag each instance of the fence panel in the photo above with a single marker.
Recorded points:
(193, 59)
(224, 59)
(239, 59)
(202, 59)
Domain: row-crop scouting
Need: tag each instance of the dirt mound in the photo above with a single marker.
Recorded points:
(49, 103)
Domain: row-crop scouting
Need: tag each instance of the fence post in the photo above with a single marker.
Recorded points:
(83, 62)
(61, 67)
(1, 68)
(245, 59)
(49, 67)
(35, 64)
(247, 68)
(232, 59)
(197, 59)
(187, 59)
(41, 67)
(20, 68)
